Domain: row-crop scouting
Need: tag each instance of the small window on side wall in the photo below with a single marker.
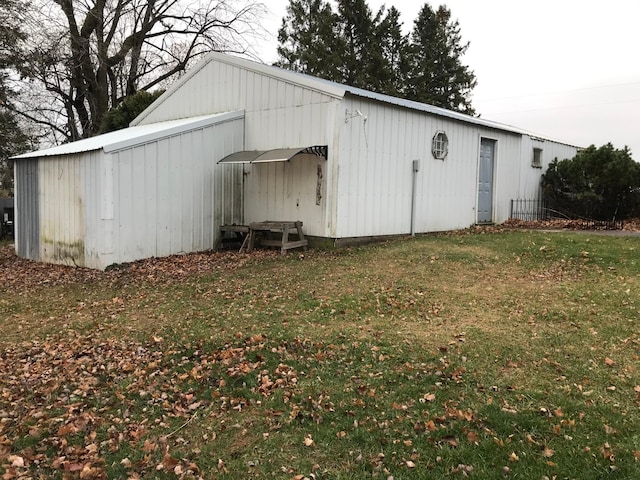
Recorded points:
(537, 158)
(440, 145)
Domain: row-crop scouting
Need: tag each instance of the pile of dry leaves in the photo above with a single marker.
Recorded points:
(631, 225)
(17, 272)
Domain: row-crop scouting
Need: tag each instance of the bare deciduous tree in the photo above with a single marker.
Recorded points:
(82, 57)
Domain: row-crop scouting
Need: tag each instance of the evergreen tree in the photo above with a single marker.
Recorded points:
(122, 115)
(362, 59)
(10, 37)
(309, 40)
(13, 141)
(438, 76)
(601, 183)
(356, 48)
(394, 72)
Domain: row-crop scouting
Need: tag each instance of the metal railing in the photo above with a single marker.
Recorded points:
(537, 210)
(529, 210)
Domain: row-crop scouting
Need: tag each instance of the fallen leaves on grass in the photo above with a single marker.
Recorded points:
(631, 225)
(20, 275)
(79, 399)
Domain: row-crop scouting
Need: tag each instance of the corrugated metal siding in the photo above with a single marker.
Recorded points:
(98, 204)
(289, 191)
(221, 87)
(27, 214)
(507, 164)
(277, 114)
(531, 176)
(59, 203)
(375, 173)
(62, 202)
(170, 196)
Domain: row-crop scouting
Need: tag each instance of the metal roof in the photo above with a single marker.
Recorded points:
(326, 87)
(132, 136)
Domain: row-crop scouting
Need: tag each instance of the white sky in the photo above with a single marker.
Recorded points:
(564, 69)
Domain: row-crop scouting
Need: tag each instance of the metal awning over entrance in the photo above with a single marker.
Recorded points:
(274, 155)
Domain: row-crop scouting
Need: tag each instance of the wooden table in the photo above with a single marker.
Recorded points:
(240, 233)
(263, 232)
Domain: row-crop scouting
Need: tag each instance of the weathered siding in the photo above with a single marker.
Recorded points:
(375, 175)
(27, 212)
(62, 201)
(158, 198)
(293, 190)
(170, 196)
(98, 205)
(55, 201)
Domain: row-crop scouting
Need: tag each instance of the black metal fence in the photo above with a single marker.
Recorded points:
(529, 210)
(539, 210)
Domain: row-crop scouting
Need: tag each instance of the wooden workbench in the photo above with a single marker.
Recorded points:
(270, 233)
(263, 232)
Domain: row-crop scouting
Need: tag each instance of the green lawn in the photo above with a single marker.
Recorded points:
(487, 354)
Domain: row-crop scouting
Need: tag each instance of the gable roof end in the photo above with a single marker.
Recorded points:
(326, 87)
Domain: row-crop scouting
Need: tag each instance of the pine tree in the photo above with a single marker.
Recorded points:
(309, 40)
(438, 76)
(121, 116)
(13, 140)
(362, 59)
(394, 74)
(355, 47)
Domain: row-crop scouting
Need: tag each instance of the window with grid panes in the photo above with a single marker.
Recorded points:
(440, 145)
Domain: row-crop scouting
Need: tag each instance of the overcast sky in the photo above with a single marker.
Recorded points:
(564, 69)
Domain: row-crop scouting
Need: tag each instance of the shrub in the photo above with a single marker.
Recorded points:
(600, 183)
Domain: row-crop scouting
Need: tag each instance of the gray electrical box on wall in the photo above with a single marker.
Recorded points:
(416, 165)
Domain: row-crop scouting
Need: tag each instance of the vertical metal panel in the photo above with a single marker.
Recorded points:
(27, 214)
(375, 172)
(172, 196)
(98, 208)
(62, 209)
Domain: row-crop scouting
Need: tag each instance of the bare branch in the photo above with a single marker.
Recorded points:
(87, 55)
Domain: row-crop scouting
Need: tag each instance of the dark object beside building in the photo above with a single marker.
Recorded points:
(6, 219)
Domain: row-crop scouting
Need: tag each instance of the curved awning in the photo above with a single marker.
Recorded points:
(274, 155)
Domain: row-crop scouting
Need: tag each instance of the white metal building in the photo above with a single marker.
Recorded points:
(151, 190)
(347, 162)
